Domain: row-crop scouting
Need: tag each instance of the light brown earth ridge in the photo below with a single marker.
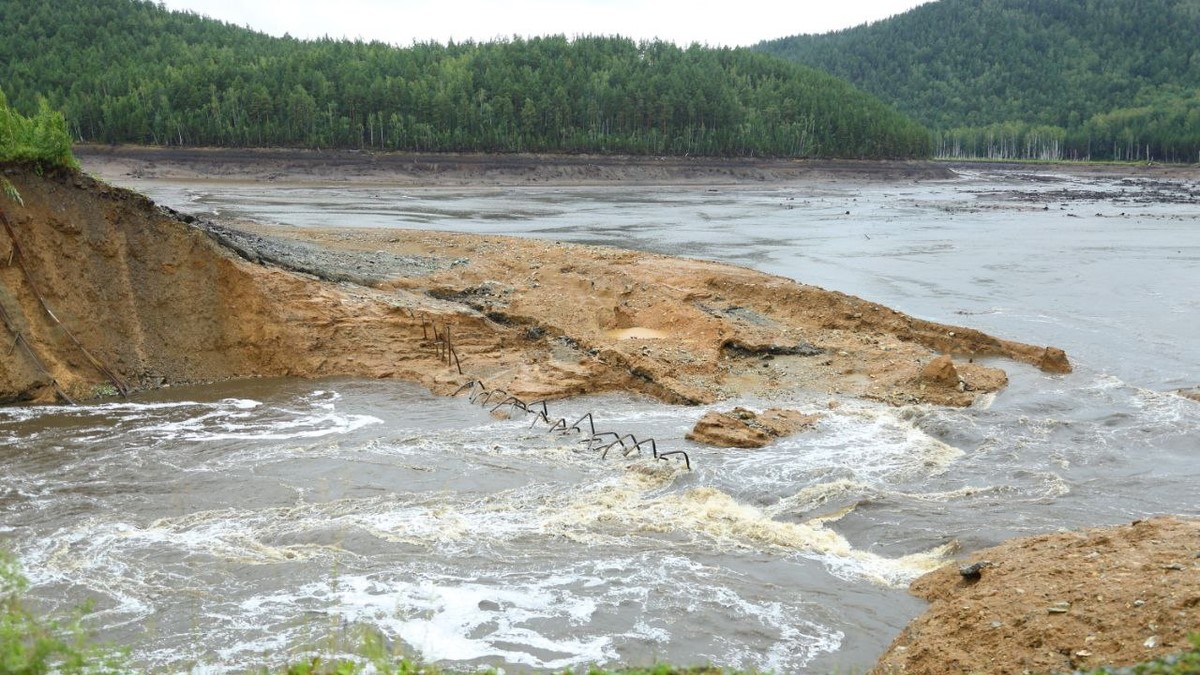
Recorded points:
(160, 301)
(1058, 603)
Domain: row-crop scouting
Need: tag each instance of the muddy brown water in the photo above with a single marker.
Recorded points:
(216, 528)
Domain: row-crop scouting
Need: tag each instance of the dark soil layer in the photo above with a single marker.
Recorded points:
(466, 169)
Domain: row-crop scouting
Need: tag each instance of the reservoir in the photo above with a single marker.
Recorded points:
(214, 528)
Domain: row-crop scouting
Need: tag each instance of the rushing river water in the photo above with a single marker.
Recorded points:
(217, 527)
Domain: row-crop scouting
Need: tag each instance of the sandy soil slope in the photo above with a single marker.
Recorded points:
(137, 295)
(1059, 602)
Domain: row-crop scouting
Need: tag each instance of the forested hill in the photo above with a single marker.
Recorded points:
(131, 71)
(1102, 78)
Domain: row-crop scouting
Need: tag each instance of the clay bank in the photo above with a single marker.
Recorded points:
(108, 291)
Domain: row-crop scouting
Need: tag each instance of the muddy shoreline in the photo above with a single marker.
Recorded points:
(295, 166)
(300, 166)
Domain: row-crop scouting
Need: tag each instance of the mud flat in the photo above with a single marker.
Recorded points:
(415, 169)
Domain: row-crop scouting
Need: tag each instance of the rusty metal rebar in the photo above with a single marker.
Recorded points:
(481, 395)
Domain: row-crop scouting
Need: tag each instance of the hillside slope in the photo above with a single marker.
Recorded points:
(1100, 72)
(129, 71)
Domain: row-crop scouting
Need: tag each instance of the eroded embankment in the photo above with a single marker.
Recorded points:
(157, 300)
(1059, 602)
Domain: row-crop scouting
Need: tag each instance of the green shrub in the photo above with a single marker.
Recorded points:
(41, 140)
(31, 646)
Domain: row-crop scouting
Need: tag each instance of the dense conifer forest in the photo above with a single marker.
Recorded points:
(129, 71)
(1074, 79)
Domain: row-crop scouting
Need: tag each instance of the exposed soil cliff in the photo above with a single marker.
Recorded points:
(156, 300)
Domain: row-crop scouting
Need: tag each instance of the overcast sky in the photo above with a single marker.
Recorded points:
(400, 22)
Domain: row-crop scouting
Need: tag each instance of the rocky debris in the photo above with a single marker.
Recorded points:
(1054, 360)
(740, 348)
(1192, 394)
(1130, 190)
(1058, 603)
(365, 268)
(974, 570)
(490, 297)
(941, 372)
(944, 382)
(727, 431)
(743, 428)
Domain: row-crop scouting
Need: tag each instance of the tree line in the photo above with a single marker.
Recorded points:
(129, 71)
(1053, 79)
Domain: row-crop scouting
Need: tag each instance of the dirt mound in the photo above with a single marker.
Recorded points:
(1058, 603)
(108, 289)
(742, 428)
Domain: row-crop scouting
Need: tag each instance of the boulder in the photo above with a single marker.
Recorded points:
(940, 371)
(727, 431)
(1054, 360)
(743, 428)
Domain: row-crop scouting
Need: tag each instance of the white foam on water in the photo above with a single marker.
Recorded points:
(842, 491)
(98, 551)
(798, 641)
(444, 523)
(1168, 409)
(122, 412)
(310, 426)
(890, 572)
(105, 576)
(819, 494)
(451, 620)
(565, 617)
(227, 419)
(951, 495)
(633, 504)
(872, 446)
(230, 420)
(984, 401)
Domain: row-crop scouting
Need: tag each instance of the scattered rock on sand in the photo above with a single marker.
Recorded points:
(941, 371)
(742, 428)
(1058, 603)
(944, 382)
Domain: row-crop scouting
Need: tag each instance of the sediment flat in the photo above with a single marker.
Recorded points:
(296, 166)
